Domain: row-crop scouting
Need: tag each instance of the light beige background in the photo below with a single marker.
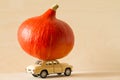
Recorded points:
(96, 25)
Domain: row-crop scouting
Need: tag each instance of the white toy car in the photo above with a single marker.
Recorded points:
(44, 68)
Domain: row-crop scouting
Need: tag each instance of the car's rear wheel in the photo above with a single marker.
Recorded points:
(43, 74)
(35, 75)
(67, 72)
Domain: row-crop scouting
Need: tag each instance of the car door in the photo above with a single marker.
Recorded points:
(57, 67)
(49, 67)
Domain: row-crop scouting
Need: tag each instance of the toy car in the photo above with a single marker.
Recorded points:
(44, 68)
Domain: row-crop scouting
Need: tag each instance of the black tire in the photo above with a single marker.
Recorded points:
(59, 74)
(67, 72)
(35, 75)
(43, 74)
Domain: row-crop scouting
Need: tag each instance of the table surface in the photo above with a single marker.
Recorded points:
(74, 76)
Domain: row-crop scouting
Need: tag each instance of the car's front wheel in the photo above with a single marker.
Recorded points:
(43, 74)
(67, 72)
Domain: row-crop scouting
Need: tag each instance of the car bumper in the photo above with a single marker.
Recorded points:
(30, 71)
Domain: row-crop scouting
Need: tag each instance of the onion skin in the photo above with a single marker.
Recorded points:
(46, 37)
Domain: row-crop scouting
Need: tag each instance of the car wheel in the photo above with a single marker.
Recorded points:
(35, 75)
(59, 74)
(67, 72)
(43, 74)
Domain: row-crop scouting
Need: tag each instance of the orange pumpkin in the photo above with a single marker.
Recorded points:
(46, 37)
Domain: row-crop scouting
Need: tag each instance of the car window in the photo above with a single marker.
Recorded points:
(55, 62)
(38, 62)
(49, 63)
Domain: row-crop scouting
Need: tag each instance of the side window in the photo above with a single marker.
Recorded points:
(55, 62)
(49, 63)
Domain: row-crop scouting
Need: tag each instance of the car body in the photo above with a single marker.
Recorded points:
(44, 68)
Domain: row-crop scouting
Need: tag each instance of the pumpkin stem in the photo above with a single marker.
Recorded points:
(55, 7)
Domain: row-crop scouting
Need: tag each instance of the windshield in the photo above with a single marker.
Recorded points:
(38, 62)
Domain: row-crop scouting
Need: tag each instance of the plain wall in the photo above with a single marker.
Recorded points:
(96, 25)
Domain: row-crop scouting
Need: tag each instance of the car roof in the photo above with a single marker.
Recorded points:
(51, 60)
